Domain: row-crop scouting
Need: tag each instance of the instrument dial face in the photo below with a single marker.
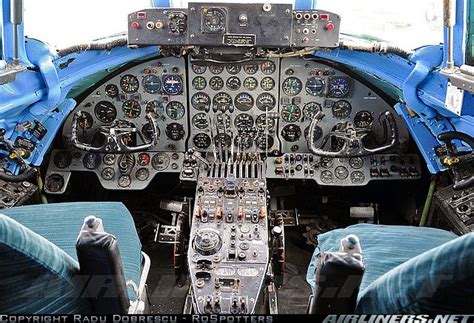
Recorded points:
(172, 84)
(216, 83)
(267, 83)
(108, 173)
(216, 69)
(263, 123)
(314, 86)
(243, 142)
(356, 162)
(292, 86)
(339, 87)
(175, 110)
(124, 181)
(154, 107)
(109, 159)
(91, 161)
(222, 140)
(63, 159)
(148, 133)
(111, 90)
(326, 162)
(264, 142)
(152, 84)
(363, 119)
(311, 109)
(214, 20)
(131, 109)
(327, 177)
(222, 101)
(85, 120)
(142, 174)
(177, 23)
(233, 69)
(200, 121)
(143, 159)
(160, 161)
(357, 177)
(251, 68)
(341, 172)
(250, 83)
(199, 83)
(318, 133)
(222, 121)
(243, 101)
(266, 102)
(233, 83)
(175, 131)
(290, 113)
(243, 122)
(268, 67)
(201, 141)
(201, 101)
(105, 111)
(198, 69)
(341, 109)
(129, 83)
(291, 133)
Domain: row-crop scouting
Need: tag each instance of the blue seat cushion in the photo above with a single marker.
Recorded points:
(384, 247)
(60, 223)
(440, 280)
(36, 277)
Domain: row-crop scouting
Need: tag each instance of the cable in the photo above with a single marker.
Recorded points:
(427, 205)
(116, 42)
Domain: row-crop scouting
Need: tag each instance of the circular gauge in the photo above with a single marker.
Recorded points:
(222, 121)
(62, 159)
(201, 101)
(85, 120)
(198, 69)
(327, 177)
(314, 86)
(105, 111)
(172, 84)
(131, 109)
(54, 183)
(214, 20)
(311, 109)
(243, 101)
(363, 119)
(263, 123)
(175, 110)
(222, 101)
(292, 86)
(109, 159)
(129, 83)
(357, 177)
(341, 172)
(326, 162)
(199, 83)
(108, 173)
(201, 141)
(264, 143)
(268, 67)
(124, 181)
(152, 83)
(291, 133)
(160, 161)
(175, 131)
(251, 68)
(200, 121)
(147, 131)
(341, 109)
(339, 87)
(216, 83)
(318, 133)
(356, 162)
(91, 161)
(142, 174)
(233, 69)
(154, 107)
(143, 159)
(177, 23)
(233, 83)
(216, 69)
(111, 90)
(222, 140)
(266, 102)
(267, 83)
(243, 142)
(290, 113)
(250, 83)
(243, 122)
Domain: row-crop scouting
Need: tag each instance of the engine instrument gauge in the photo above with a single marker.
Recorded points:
(105, 111)
(172, 84)
(63, 159)
(267, 83)
(199, 83)
(233, 83)
(177, 23)
(152, 83)
(314, 86)
(201, 101)
(143, 159)
(233, 69)
(175, 131)
(124, 181)
(263, 123)
(357, 177)
(107, 173)
(142, 174)
(222, 121)
(341, 172)
(356, 162)
(243, 101)
(198, 69)
(264, 142)
(154, 107)
(243, 142)
(243, 122)
(131, 109)
(363, 119)
(160, 161)
(129, 83)
(200, 121)
(265, 102)
(222, 101)
(111, 90)
(326, 162)
(339, 87)
(201, 141)
(91, 161)
(216, 69)
(327, 177)
(251, 68)
(341, 109)
(109, 159)
(222, 140)
(268, 67)
(216, 83)
(214, 20)
(85, 120)
(317, 134)
(291, 133)
(310, 110)
(175, 110)
(148, 133)
(250, 83)
(292, 86)
(290, 113)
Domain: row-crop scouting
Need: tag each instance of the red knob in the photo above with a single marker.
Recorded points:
(135, 25)
(330, 26)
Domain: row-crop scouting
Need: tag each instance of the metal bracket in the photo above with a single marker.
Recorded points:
(454, 99)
